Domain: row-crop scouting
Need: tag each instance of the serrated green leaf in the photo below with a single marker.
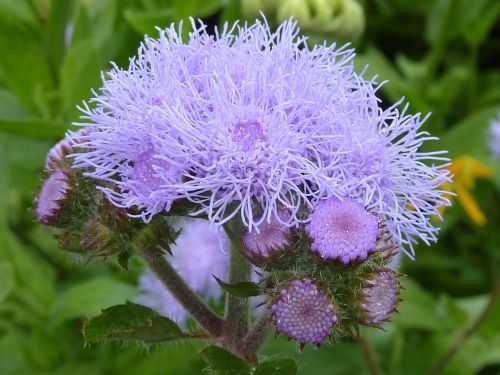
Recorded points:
(277, 367)
(89, 297)
(6, 279)
(244, 289)
(131, 322)
(221, 362)
(33, 128)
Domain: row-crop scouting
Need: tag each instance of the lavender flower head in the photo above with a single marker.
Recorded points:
(495, 137)
(251, 120)
(200, 251)
(303, 312)
(342, 230)
(380, 296)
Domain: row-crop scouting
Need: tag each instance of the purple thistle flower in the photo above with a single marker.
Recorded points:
(495, 137)
(271, 239)
(199, 252)
(380, 296)
(51, 199)
(342, 230)
(303, 312)
(250, 121)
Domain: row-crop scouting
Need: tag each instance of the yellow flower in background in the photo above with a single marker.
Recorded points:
(466, 170)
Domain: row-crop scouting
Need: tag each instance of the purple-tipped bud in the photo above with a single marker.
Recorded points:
(52, 197)
(342, 230)
(304, 312)
(380, 296)
(57, 155)
(272, 239)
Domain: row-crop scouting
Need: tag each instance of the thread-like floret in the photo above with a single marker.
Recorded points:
(250, 120)
(342, 230)
(304, 312)
(52, 196)
(380, 296)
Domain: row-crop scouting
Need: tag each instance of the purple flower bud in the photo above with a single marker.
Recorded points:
(51, 198)
(380, 296)
(342, 230)
(304, 312)
(271, 239)
(56, 156)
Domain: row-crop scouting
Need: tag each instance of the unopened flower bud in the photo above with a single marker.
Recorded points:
(271, 240)
(342, 230)
(52, 198)
(57, 155)
(379, 296)
(304, 312)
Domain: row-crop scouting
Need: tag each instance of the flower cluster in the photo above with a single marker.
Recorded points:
(282, 144)
(252, 121)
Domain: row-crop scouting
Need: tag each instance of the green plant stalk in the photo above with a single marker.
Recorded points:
(208, 320)
(255, 338)
(237, 310)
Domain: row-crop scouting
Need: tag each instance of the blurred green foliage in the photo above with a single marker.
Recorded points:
(442, 55)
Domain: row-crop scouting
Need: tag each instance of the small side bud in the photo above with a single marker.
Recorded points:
(269, 242)
(57, 157)
(303, 312)
(52, 198)
(378, 296)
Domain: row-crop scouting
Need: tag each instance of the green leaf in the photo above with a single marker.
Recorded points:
(33, 128)
(10, 106)
(79, 74)
(417, 308)
(244, 289)
(469, 136)
(277, 367)
(144, 22)
(131, 322)
(89, 297)
(221, 362)
(55, 44)
(6, 279)
(26, 70)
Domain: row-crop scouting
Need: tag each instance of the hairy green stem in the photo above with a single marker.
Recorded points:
(236, 307)
(256, 337)
(371, 360)
(208, 320)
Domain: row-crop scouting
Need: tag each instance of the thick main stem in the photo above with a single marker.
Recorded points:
(236, 307)
(183, 293)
